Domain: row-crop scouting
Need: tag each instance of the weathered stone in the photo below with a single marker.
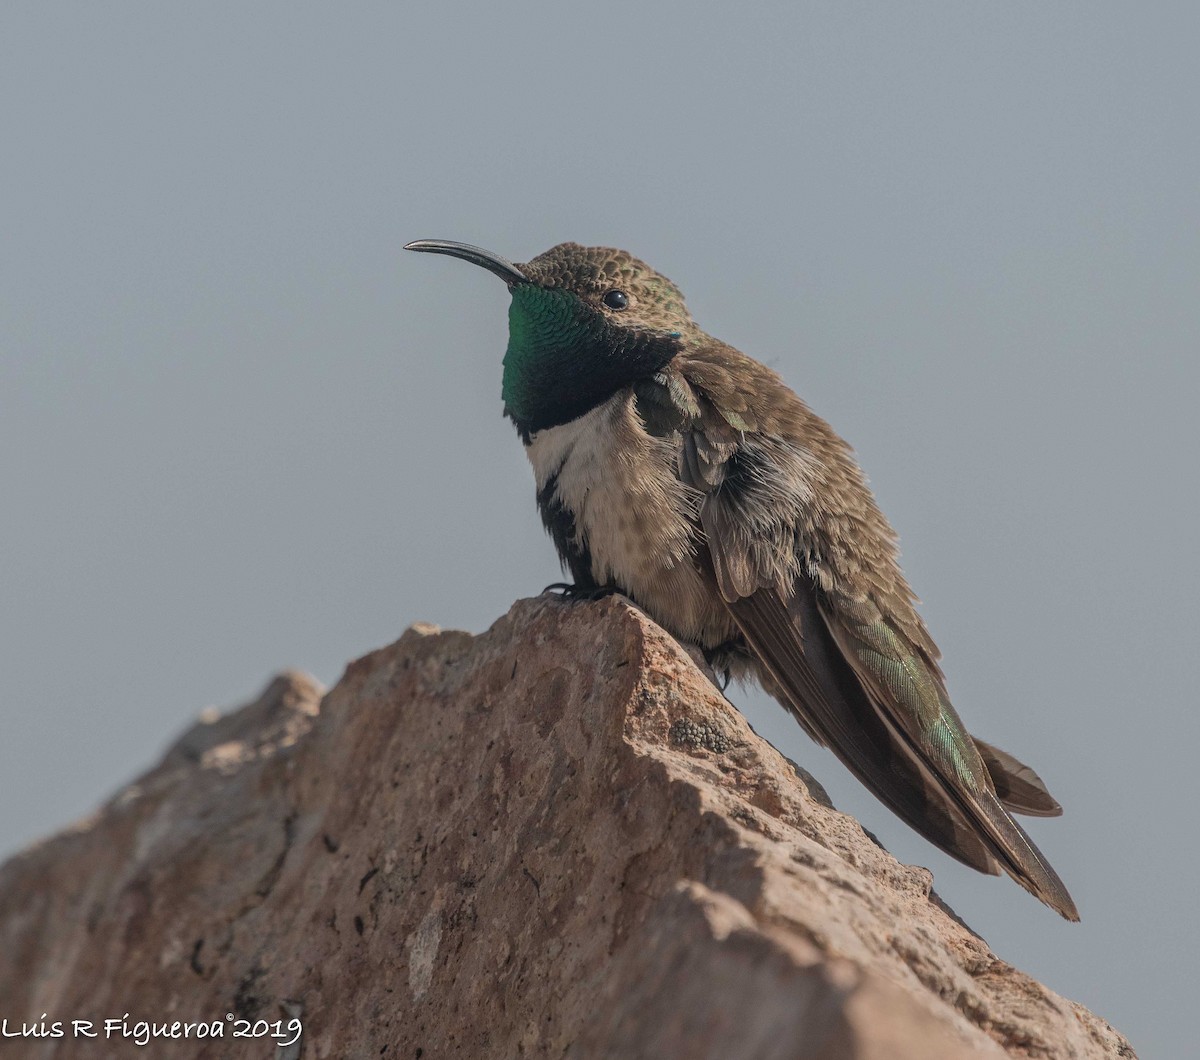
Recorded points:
(555, 839)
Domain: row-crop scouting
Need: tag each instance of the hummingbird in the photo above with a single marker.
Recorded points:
(678, 471)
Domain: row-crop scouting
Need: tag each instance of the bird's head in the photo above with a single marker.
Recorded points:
(584, 322)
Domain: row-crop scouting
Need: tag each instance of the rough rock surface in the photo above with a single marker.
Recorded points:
(554, 839)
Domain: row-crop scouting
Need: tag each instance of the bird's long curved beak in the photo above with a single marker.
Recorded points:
(502, 267)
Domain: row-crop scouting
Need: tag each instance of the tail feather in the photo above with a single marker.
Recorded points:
(1018, 787)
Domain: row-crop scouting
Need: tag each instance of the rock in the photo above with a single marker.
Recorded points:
(554, 839)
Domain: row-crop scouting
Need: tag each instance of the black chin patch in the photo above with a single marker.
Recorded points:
(572, 382)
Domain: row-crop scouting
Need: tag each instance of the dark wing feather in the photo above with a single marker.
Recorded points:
(861, 679)
(792, 641)
(914, 703)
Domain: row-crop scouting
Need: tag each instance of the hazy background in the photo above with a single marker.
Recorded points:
(241, 430)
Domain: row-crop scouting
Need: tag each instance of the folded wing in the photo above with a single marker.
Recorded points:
(830, 617)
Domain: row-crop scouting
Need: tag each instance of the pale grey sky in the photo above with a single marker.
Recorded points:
(241, 430)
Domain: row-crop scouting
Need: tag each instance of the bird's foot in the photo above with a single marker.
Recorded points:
(572, 592)
(724, 661)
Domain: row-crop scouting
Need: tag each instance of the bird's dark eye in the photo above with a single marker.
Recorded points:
(616, 299)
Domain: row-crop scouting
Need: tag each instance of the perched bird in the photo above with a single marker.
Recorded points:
(678, 471)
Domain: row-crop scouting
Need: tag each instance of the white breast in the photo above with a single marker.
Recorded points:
(636, 518)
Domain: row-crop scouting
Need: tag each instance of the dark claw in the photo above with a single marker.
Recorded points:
(719, 660)
(568, 591)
